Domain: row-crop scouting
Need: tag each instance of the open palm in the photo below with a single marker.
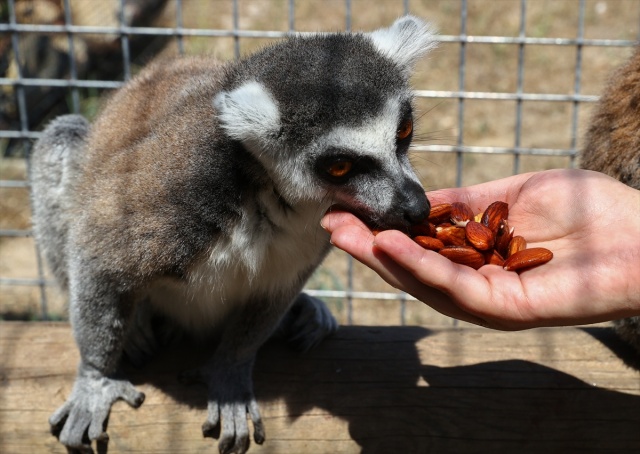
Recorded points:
(588, 220)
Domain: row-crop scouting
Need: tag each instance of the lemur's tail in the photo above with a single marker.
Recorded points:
(54, 164)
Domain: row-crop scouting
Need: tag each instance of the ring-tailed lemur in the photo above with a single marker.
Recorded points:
(612, 146)
(198, 193)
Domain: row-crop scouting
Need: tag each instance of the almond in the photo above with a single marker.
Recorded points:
(517, 244)
(494, 215)
(503, 238)
(461, 213)
(493, 258)
(427, 242)
(440, 213)
(423, 229)
(479, 235)
(455, 232)
(527, 258)
(463, 255)
(451, 235)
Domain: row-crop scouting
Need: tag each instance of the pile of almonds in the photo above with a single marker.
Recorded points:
(475, 240)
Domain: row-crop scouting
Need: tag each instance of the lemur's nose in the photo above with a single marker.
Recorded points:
(417, 212)
(416, 206)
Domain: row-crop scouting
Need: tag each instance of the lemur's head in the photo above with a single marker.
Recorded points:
(330, 117)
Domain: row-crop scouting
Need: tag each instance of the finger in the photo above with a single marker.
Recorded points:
(359, 244)
(242, 438)
(96, 429)
(414, 267)
(211, 425)
(132, 396)
(228, 428)
(427, 266)
(58, 418)
(258, 426)
(364, 249)
(333, 220)
(72, 434)
(490, 296)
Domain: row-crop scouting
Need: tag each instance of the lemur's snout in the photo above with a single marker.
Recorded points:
(417, 210)
(414, 204)
(409, 206)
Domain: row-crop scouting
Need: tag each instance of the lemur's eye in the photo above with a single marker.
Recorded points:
(405, 129)
(339, 168)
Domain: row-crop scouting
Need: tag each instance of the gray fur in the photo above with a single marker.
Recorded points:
(612, 146)
(59, 152)
(197, 195)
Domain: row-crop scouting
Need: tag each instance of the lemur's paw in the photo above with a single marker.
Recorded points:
(230, 399)
(308, 322)
(82, 418)
(228, 421)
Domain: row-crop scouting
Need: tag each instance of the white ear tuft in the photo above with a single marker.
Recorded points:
(248, 112)
(405, 41)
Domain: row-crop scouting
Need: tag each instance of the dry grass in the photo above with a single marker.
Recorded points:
(489, 68)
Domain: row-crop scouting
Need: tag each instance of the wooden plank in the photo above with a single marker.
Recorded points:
(367, 389)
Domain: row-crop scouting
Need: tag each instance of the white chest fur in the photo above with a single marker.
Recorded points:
(264, 259)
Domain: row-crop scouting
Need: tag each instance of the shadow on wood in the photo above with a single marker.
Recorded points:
(367, 389)
(620, 348)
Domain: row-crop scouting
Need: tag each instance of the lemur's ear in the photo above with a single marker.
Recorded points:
(405, 41)
(248, 113)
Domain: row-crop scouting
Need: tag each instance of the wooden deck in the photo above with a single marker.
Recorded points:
(367, 389)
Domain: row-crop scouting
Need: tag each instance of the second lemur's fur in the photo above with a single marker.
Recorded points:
(197, 195)
(612, 146)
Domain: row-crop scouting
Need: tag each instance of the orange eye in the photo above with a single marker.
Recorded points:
(405, 129)
(339, 168)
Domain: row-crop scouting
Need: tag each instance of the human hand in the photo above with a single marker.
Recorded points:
(590, 221)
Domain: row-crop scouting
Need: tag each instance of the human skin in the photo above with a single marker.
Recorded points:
(590, 221)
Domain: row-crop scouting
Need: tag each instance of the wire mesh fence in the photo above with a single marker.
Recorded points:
(509, 90)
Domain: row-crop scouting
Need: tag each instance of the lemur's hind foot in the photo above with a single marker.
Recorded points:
(307, 323)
